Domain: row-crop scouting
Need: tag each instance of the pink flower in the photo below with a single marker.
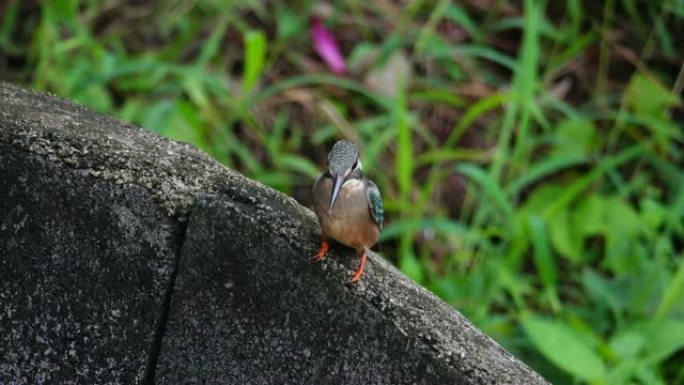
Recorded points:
(326, 47)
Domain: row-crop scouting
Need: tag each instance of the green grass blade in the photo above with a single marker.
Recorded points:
(489, 186)
(255, 55)
(211, 47)
(322, 80)
(579, 186)
(674, 291)
(404, 153)
(543, 169)
(473, 113)
(544, 259)
(438, 225)
(525, 82)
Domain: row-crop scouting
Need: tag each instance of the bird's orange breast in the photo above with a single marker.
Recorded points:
(350, 221)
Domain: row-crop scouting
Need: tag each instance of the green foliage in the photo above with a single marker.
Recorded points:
(529, 154)
(565, 347)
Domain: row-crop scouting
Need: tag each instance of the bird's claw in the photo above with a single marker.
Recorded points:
(318, 257)
(321, 253)
(359, 272)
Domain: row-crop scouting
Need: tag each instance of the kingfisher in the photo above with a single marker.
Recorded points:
(348, 205)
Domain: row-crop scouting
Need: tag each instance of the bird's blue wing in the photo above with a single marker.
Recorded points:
(375, 204)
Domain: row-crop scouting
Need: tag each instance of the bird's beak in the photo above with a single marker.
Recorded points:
(337, 185)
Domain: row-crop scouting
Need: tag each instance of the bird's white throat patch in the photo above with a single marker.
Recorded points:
(352, 184)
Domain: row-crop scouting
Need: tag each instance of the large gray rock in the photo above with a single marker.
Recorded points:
(84, 266)
(128, 258)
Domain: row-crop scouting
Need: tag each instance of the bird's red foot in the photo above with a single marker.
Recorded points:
(322, 252)
(359, 272)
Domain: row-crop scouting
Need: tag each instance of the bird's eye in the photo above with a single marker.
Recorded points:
(355, 165)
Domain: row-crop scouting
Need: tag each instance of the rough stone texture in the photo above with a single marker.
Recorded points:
(248, 307)
(84, 265)
(97, 215)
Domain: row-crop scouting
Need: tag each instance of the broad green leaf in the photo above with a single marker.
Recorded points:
(362, 55)
(574, 191)
(589, 216)
(298, 164)
(650, 102)
(653, 213)
(648, 375)
(664, 339)
(447, 288)
(625, 371)
(279, 180)
(157, 116)
(95, 96)
(575, 137)
(628, 344)
(638, 289)
(622, 215)
(540, 198)
(600, 290)
(289, 23)
(647, 97)
(177, 120)
(565, 236)
(410, 266)
(559, 343)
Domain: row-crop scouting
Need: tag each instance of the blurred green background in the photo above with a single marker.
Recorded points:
(529, 152)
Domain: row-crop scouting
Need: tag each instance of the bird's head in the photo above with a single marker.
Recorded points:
(343, 164)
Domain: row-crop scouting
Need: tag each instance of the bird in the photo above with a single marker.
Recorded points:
(348, 205)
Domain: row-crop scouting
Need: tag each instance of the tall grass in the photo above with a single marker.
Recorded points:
(529, 154)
